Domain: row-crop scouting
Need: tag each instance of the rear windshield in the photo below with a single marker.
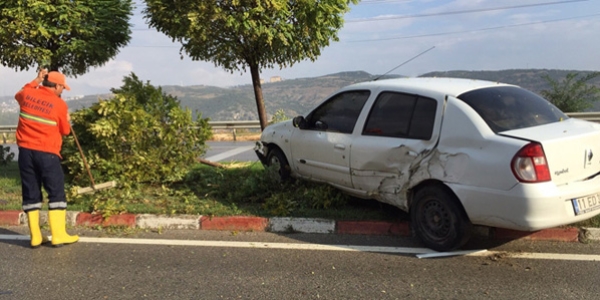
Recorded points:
(508, 107)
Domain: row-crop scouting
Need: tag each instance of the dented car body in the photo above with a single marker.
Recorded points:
(451, 152)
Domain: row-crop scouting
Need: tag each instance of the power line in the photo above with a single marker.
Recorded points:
(435, 34)
(474, 30)
(456, 12)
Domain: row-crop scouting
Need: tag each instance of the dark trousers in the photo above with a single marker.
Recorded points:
(39, 169)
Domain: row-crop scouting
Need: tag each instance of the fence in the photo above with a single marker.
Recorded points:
(233, 126)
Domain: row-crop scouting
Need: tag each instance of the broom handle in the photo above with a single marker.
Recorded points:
(83, 157)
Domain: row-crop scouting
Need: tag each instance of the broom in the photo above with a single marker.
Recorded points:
(94, 187)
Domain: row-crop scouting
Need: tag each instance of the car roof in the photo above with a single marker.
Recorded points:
(425, 85)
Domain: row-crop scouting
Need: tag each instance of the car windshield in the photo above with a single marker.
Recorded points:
(509, 107)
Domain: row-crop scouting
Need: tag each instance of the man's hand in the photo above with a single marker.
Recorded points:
(41, 74)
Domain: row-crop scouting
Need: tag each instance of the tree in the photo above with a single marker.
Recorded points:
(141, 135)
(72, 35)
(573, 93)
(254, 34)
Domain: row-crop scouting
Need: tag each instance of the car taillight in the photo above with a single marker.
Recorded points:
(530, 165)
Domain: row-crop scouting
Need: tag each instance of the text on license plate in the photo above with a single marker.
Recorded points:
(586, 204)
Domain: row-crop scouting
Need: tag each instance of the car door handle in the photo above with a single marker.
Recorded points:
(340, 146)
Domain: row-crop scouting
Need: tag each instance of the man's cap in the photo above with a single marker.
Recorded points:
(58, 78)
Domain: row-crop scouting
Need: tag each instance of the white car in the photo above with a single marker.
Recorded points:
(451, 152)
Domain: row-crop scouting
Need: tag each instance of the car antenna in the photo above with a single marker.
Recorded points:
(402, 64)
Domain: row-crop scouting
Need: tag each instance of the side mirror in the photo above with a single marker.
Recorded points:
(299, 122)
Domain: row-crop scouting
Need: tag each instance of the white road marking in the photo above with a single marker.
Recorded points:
(321, 247)
(230, 153)
(555, 256)
(13, 237)
(453, 253)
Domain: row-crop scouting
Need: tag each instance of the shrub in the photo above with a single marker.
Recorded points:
(140, 135)
(574, 93)
(279, 116)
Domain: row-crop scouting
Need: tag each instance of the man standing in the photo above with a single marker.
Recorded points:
(43, 120)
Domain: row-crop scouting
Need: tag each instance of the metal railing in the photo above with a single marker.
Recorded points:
(233, 126)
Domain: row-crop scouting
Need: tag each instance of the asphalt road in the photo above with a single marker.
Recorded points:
(230, 151)
(161, 269)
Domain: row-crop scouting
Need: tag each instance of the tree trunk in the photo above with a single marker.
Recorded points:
(260, 103)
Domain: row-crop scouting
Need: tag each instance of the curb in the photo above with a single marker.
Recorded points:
(289, 225)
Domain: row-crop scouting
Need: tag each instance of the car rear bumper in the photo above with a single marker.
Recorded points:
(527, 207)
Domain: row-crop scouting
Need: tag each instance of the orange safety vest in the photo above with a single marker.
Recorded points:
(42, 119)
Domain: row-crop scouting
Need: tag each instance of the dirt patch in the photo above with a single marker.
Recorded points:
(223, 137)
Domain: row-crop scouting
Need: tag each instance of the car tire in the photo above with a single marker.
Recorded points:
(277, 159)
(438, 219)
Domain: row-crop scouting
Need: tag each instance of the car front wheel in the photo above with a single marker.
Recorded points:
(438, 219)
(277, 162)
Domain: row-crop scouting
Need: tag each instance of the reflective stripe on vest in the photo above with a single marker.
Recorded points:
(37, 119)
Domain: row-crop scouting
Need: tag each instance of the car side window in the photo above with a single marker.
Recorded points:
(401, 115)
(339, 113)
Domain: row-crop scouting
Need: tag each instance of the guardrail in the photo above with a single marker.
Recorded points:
(593, 116)
(231, 126)
(255, 124)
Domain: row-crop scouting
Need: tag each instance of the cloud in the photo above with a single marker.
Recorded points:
(108, 76)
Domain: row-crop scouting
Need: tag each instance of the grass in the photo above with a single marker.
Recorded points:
(10, 187)
(593, 223)
(238, 189)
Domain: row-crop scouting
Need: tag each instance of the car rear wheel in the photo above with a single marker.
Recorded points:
(277, 162)
(438, 219)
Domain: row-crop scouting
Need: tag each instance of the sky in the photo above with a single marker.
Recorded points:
(406, 37)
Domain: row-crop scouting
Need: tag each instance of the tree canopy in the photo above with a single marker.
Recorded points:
(72, 35)
(254, 34)
(573, 93)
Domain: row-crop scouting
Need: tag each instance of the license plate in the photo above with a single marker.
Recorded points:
(586, 204)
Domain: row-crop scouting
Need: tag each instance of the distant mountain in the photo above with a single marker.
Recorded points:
(296, 96)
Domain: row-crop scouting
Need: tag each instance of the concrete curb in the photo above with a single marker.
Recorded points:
(289, 225)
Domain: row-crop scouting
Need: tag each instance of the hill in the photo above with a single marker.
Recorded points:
(296, 96)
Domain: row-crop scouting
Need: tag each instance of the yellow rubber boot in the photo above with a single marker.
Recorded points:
(58, 227)
(33, 220)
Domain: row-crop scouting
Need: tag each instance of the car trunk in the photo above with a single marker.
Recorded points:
(572, 148)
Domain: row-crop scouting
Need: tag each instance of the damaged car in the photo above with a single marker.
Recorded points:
(451, 152)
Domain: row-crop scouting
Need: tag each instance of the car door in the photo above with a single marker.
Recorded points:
(321, 150)
(400, 130)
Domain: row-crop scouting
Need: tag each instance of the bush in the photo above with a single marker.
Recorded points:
(141, 135)
(574, 93)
